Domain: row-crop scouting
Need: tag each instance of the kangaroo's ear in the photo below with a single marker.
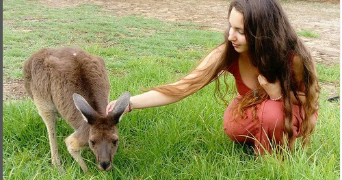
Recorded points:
(120, 106)
(88, 113)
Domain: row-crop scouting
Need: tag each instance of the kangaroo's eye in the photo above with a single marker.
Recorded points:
(91, 142)
(115, 142)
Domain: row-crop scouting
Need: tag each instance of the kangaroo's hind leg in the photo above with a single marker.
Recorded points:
(47, 111)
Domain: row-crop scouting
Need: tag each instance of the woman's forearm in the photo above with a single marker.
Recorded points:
(152, 99)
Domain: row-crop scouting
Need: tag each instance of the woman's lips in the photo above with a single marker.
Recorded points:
(235, 45)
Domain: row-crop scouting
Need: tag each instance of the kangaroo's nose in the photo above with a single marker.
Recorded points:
(105, 165)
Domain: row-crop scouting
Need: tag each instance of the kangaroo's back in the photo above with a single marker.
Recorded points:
(74, 83)
(51, 76)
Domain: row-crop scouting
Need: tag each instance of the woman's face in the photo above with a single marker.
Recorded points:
(236, 31)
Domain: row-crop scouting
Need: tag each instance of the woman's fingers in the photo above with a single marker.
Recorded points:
(110, 106)
(262, 80)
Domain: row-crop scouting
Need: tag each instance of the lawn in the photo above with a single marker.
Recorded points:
(180, 141)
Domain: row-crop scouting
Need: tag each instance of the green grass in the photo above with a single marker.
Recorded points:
(180, 141)
(328, 73)
(308, 33)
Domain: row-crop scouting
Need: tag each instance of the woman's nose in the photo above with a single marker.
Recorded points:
(231, 35)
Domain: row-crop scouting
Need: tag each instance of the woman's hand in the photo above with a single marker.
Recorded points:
(111, 105)
(272, 89)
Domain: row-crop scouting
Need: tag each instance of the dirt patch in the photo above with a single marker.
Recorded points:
(319, 16)
(13, 89)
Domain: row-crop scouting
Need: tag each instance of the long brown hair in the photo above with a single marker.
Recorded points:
(272, 42)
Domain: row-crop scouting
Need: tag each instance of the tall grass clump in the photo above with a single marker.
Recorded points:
(308, 33)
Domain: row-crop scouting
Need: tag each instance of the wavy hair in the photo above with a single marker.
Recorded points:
(272, 42)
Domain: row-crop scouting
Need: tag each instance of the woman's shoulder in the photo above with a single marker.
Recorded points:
(212, 57)
(298, 68)
(297, 62)
(218, 50)
(221, 47)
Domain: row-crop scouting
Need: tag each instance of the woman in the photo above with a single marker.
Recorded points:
(274, 73)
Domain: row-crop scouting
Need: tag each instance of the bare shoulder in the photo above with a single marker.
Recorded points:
(212, 57)
(221, 47)
(297, 65)
(298, 70)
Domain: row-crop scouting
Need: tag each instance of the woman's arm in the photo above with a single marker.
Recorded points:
(274, 89)
(154, 98)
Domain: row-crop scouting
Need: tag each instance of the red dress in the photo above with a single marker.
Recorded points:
(268, 125)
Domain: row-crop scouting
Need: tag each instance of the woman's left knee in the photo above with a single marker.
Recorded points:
(271, 114)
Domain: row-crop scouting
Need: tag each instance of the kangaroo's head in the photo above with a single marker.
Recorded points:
(103, 133)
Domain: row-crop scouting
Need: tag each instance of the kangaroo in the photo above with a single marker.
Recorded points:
(74, 84)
